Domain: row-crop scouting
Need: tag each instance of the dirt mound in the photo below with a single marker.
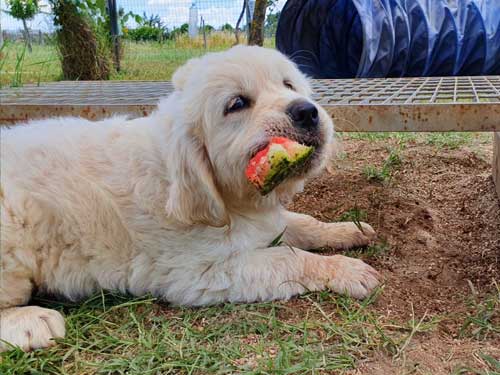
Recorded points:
(436, 210)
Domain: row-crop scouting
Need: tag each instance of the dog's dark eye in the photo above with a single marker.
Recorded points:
(288, 85)
(236, 104)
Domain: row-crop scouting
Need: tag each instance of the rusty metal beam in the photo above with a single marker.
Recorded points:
(403, 104)
(93, 100)
(416, 118)
(16, 113)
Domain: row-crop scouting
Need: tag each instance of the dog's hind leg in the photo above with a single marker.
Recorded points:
(273, 273)
(306, 232)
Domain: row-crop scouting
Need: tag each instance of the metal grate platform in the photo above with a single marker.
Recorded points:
(431, 90)
(71, 93)
(401, 104)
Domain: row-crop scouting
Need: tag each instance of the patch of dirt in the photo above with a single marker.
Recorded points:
(437, 356)
(440, 216)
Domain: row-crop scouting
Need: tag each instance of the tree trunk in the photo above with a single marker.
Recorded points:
(257, 28)
(27, 35)
(84, 54)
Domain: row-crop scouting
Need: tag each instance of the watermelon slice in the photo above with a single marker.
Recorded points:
(280, 158)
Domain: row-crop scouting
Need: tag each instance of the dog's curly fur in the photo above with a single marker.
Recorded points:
(161, 204)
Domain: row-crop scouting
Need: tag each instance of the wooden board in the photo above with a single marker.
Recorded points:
(496, 162)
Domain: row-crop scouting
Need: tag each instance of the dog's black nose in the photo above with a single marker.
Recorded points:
(304, 114)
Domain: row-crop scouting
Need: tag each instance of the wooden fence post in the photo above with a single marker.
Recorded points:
(496, 161)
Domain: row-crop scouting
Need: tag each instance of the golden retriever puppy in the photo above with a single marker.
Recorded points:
(162, 205)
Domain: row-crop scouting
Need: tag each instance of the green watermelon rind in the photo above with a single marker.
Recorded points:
(282, 167)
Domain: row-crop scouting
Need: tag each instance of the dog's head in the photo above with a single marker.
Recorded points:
(226, 106)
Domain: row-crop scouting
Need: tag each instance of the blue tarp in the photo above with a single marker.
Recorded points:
(391, 38)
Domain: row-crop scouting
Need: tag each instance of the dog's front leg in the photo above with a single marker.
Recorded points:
(308, 233)
(27, 327)
(280, 273)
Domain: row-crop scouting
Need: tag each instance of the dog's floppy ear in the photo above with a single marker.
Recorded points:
(193, 195)
(182, 74)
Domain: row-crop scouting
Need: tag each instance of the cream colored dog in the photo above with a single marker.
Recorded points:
(161, 204)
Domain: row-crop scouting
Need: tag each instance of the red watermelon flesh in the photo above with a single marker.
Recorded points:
(271, 165)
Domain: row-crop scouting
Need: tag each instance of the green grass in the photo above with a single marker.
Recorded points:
(354, 214)
(317, 333)
(372, 251)
(385, 172)
(110, 334)
(482, 322)
(154, 61)
(401, 137)
(357, 215)
(449, 140)
(141, 61)
(441, 140)
(278, 240)
(493, 367)
(18, 66)
(483, 319)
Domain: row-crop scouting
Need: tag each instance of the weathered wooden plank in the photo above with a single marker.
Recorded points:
(496, 161)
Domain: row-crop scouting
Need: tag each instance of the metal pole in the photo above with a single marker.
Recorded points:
(249, 18)
(204, 32)
(115, 32)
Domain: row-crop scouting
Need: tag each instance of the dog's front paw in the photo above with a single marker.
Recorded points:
(348, 234)
(30, 327)
(352, 277)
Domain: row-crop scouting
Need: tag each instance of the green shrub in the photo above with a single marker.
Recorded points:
(148, 33)
(227, 27)
(177, 31)
(150, 28)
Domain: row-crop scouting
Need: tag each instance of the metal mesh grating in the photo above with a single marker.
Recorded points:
(432, 90)
(87, 93)
(400, 104)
